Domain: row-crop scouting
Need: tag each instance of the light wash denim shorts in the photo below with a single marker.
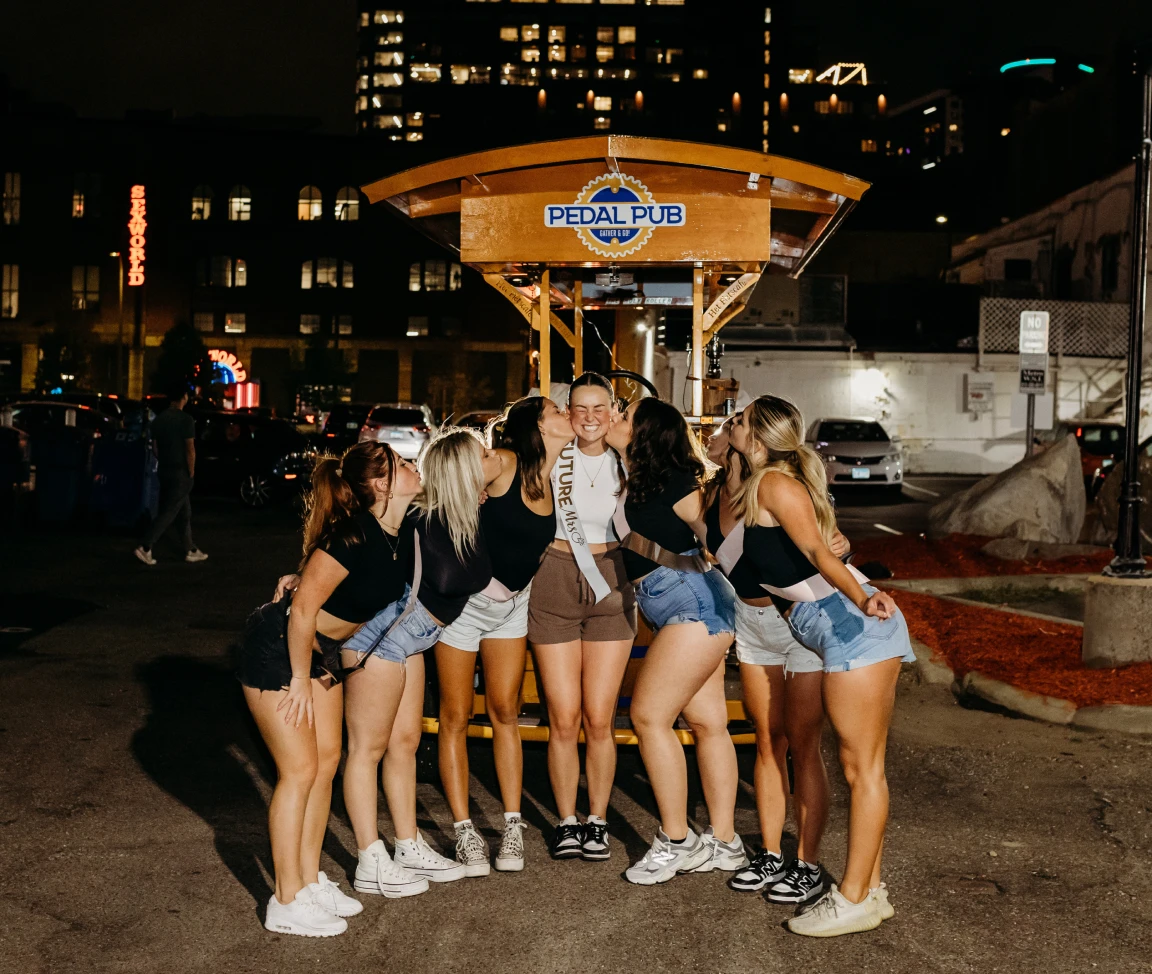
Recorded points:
(416, 633)
(764, 638)
(846, 639)
(667, 597)
(485, 618)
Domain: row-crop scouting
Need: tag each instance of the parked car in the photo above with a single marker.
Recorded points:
(341, 426)
(478, 419)
(110, 406)
(17, 477)
(404, 426)
(33, 414)
(858, 452)
(259, 460)
(1101, 448)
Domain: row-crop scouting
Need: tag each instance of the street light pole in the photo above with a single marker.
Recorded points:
(1129, 559)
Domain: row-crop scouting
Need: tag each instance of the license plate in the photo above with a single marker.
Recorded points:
(861, 473)
(352, 426)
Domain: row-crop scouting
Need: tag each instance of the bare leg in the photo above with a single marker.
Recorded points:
(456, 670)
(503, 661)
(804, 724)
(558, 665)
(399, 774)
(602, 672)
(859, 704)
(328, 705)
(707, 715)
(679, 662)
(764, 704)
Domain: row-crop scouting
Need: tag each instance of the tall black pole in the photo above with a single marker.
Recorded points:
(1129, 560)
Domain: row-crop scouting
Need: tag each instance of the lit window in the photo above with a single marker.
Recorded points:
(764, 145)
(480, 74)
(388, 17)
(867, 145)
(767, 15)
(391, 39)
(388, 59)
(309, 324)
(85, 288)
(417, 326)
(348, 204)
(605, 35)
(424, 72)
(767, 57)
(764, 127)
(799, 76)
(514, 74)
(455, 277)
(626, 35)
(414, 277)
(605, 52)
(509, 34)
(326, 271)
(529, 54)
(241, 273)
(435, 275)
(10, 290)
(619, 2)
(344, 324)
(579, 52)
(204, 321)
(700, 74)
(414, 120)
(310, 204)
(240, 204)
(202, 202)
(556, 35)
(602, 122)
(364, 19)
(362, 84)
(602, 103)
(387, 122)
(346, 278)
(77, 204)
(767, 80)
(306, 275)
(11, 202)
(721, 126)
(235, 323)
(388, 79)
(767, 37)
(796, 128)
(414, 136)
(530, 32)
(557, 54)
(460, 74)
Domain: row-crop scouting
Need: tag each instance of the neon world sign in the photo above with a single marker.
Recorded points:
(229, 364)
(137, 224)
(614, 215)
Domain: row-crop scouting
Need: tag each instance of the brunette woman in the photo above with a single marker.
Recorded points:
(690, 609)
(857, 632)
(292, 686)
(582, 621)
(518, 522)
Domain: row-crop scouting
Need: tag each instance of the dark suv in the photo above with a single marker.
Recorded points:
(258, 459)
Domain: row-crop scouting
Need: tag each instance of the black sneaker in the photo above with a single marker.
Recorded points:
(801, 883)
(764, 869)
(594, 848)
(566, 841)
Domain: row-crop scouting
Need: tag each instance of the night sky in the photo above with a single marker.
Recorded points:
(295, 57)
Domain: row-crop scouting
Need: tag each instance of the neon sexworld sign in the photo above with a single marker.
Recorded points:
(137, 224)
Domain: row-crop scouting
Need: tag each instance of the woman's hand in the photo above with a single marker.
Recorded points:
(297, 702)
(879, 604)
(287, 583)
(840, 545)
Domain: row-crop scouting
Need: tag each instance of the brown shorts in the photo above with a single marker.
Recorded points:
(563, 608)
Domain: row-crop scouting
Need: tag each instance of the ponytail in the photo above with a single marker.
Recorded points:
(341, 489)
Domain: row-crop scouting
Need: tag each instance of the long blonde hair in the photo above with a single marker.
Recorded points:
(453, 479)
(776, 445)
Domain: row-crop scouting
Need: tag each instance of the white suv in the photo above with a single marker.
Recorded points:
(404, 426)
(858, 453)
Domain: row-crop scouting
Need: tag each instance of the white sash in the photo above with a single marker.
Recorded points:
(812, 589)
(568, 520)
(731, 548)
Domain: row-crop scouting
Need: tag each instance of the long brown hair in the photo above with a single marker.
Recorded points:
(341, 489)
(518, 430)
(662, 442)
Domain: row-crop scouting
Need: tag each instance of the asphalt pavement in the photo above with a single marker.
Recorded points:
(869, 512)
(133, 793)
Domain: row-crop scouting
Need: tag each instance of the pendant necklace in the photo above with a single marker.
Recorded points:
(394, 548)
(592, 477)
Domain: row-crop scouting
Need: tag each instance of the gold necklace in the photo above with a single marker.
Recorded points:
(394, 548)
(591, 477)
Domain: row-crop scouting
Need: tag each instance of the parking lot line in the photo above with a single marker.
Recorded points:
(884, 527)
(923, 490)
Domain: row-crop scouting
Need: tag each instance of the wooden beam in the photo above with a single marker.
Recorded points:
(727, 316)
(578, 324)
(528, 308)
(544, 324)
(696, 376)
(715, 317)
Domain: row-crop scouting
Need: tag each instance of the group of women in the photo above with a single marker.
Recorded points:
(556, 533)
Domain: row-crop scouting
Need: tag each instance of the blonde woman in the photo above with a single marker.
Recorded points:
(858, 633)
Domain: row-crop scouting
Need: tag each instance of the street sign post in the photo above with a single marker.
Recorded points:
(1033, 366)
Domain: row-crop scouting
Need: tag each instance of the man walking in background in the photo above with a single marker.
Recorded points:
(174, 439)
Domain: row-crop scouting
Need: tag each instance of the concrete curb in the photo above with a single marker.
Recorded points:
(1035, 705)
(930, 668)
(1115, 717)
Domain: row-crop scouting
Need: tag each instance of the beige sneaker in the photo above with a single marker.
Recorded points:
(833, 915)
(880, 895)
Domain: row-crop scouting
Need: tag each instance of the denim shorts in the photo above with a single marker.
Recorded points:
(846, 639)
(667, 597)
(763, 638)
(416, 633)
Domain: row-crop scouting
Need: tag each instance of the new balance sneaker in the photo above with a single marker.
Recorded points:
(303, 917)
(510, 855)
(420, 859)
(377, 873)
(594, 847)
(667, 858)
(833, 915)
(727, 856)
(567, 841)
(330, 896)
(766, 868)
(802, 882)
(880, 895)
(195, 555)
(472, 850)
(145, 555)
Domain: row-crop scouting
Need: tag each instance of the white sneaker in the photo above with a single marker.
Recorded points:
(145, 555)
(472, 850)
(833, 915)
(728, 856)
(420, 859)
(510, 855)
(377, 873)
(330, 896)
(195, 555)
(880, 895)
(303, 917)
(667, 858)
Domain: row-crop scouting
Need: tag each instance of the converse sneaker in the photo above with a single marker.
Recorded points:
(880, 895)
(802, 882)
(420, 859)
(303, 917)
(594, 847)
(329, 895)
(471, 850)
(145, 555)
(667, 858)
(510, 855)
(377, 873)
(833, 915)
(766, 868)
(567, 840)
(195, 555)
(727, 856)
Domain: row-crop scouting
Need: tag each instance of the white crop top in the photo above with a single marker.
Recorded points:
(595, 505)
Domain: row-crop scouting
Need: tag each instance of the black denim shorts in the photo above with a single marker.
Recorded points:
(264, 663)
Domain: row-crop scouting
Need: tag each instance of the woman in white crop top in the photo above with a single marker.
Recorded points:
(582, 621)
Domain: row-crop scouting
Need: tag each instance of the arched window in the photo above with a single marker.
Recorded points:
(202, 202)
(310, 206)
(240, 203)
(348, 204)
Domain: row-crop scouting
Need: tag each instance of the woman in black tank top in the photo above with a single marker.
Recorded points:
(518, 521)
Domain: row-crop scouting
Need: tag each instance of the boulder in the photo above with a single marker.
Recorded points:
(1041, 498)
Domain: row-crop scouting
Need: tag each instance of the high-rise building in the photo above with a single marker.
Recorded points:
(461, 75)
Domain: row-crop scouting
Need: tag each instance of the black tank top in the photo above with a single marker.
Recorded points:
(742, 575)
(446, 581)
(517, 536)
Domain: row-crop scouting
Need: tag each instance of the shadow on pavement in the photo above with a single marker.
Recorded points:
(27, 614)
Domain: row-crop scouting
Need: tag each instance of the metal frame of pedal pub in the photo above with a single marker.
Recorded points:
(632, 205)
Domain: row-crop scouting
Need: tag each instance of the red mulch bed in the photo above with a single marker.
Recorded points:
(1032, 654)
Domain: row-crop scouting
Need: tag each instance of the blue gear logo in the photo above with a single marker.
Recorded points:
(614, 215)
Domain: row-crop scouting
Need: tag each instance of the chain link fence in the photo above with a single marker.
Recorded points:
(1088, 328)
